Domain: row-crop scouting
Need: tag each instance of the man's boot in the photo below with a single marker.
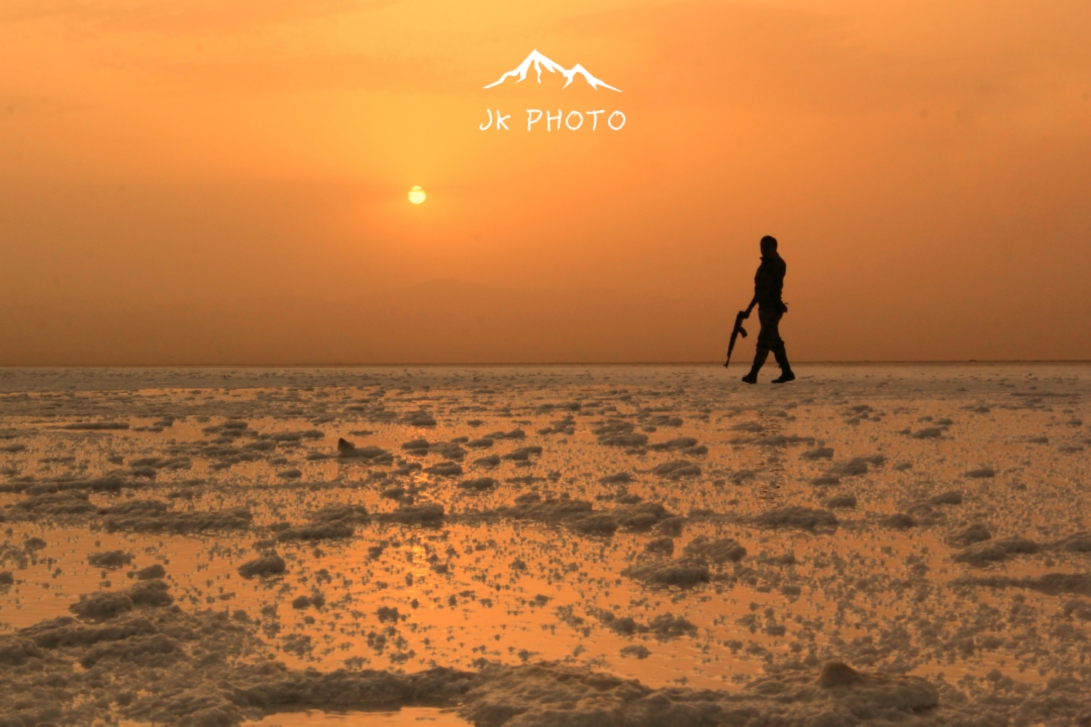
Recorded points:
(786, 374)
(759, 360)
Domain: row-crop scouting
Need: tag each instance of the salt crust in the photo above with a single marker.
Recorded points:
(136, 654)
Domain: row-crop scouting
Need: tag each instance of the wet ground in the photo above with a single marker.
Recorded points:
(171, 535)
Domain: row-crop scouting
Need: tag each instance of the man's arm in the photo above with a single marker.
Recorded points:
(750, 307)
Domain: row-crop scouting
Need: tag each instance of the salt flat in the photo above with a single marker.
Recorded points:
(545, 545)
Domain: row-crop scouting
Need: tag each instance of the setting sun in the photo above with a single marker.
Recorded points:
(417, 195)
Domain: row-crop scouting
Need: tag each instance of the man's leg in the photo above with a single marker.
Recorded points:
(768, 340)
(760, 355)
(786, 374)
(777, 347)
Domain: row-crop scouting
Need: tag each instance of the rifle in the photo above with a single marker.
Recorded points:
(735, 334)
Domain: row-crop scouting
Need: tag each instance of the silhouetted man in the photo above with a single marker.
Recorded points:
(768, 283)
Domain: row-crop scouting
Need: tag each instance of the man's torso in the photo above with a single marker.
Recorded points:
(769, 280)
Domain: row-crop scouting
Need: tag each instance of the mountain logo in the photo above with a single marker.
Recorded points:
(539, 62)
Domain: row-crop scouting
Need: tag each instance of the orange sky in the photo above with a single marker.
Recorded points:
(224, 181)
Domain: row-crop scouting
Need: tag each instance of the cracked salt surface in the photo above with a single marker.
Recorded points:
(552, 545)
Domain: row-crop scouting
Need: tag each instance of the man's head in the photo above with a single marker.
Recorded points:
(768, 245)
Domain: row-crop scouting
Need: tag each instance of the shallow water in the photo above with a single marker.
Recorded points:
(422, 716)
(491, 582)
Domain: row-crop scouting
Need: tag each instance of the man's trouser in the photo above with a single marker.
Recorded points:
(769, 337)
